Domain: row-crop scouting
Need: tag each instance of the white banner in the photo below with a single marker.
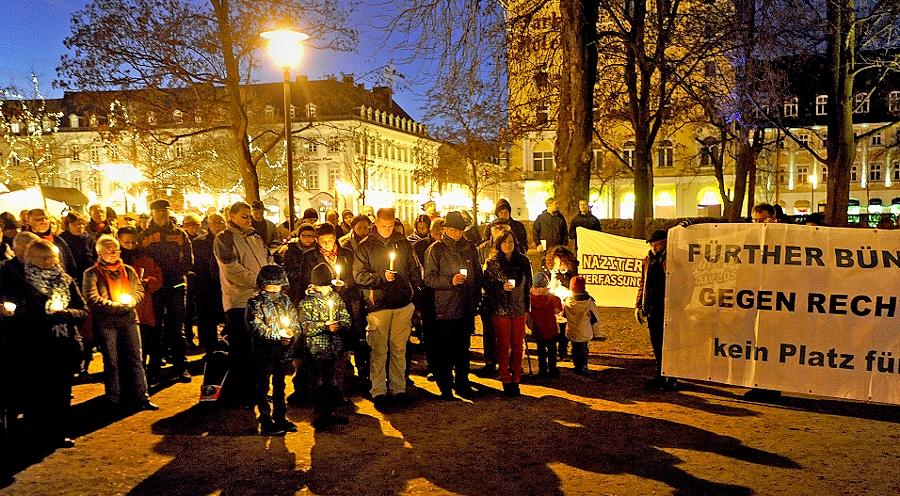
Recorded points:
(611, 266)
(792, 308)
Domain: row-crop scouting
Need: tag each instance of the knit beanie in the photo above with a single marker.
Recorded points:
(577, 285)
(502, 205)
(321, 275)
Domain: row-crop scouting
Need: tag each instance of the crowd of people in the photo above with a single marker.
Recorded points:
(333, 303)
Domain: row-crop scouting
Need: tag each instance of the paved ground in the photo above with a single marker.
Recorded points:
(601, 435)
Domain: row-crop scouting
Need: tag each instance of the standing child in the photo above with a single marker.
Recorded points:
(272, 321)
(324, 318)
(544, 308)
(581, 314)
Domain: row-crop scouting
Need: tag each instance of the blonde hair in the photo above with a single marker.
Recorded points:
(105, 240)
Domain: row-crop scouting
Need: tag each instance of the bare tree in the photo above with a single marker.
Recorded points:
(191, 57)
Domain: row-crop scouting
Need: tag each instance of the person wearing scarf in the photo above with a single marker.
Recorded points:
(40, 223)
(112, 289)
(52, 305)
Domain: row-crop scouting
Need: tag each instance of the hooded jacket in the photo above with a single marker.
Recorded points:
(517, 228)
(371, 261)
(443, 260)
(169, 246)
(240, 254)
(577, 310)
(551, 227)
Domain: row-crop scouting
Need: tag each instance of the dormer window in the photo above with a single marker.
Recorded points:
(894, 102)
(92, 121)
(178, 116)
(270, 113)
(822, 105)
(791, 107)
(73, 120)
(861, 101)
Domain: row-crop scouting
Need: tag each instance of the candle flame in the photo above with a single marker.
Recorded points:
(126, 299)
(9, 306)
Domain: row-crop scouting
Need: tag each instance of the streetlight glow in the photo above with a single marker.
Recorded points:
(285, 46)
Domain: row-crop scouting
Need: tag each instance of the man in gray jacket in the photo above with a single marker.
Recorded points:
(453, 272)
(240, 254)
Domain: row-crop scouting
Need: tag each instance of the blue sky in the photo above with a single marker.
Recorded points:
(32, 34)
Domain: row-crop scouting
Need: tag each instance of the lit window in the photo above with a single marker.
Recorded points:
(803, 138)
(198, 118)
(312, 178)
(178, 116)
(875, 140)
(628, 154)
(179, 150)
(151, 118)
(802, 174)
(791, 107)
(822, 105)
(76, 154)
(666, 154)
(542, 161)
(113, 153)
(875, 172)
(862, 103)
(95, 153)
(334, 174)
(310, 111)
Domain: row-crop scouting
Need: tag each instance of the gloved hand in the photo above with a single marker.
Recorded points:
(639, 315)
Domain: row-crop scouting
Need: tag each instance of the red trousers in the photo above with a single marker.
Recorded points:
(510, 335)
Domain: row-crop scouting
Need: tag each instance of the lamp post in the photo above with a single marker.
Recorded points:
(285, 47)
(813, 182)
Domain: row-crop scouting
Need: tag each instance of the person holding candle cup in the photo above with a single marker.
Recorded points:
(324, 320)
(507, 284)
(51, 304)
(273, 324)
(112, 290)
(453, 272)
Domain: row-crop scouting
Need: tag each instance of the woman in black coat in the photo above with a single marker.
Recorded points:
(49, 300)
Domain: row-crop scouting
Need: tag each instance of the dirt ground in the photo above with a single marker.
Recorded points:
(607, 434)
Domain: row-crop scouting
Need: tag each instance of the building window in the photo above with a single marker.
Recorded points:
(541, 77)
(151, 118)
(875, 140)
(95, 154)
(666, 154)
(113, 153)
(896, 170)
(709, 152)
(312, 178)
(334, 174)
(179, 150)
(76, 154)
(198, 118)
(825, 139)
(178, 116)
(310, 111)
(598, 158)
(874, 172)
(270, 113)
(76, 183)
(313, 148)
(92, 120)
(791, 108)
(894, 101)
(803, 139)
(862, 103)
(542, 115)
(822, 105)
(334, 145)
(853, 174)
(96, 184)
(802, 174)
(782, 176)
(542, 161)
(824, 170)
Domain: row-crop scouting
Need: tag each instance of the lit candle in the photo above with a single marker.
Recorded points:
(56, 303)
(392, 256)
(337, 271)
(464, 272)
(512, 282)
(330, 311)
(126, 299)
(285, 330)
(9, 306)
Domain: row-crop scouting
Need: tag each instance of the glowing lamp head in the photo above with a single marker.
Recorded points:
(285, 46)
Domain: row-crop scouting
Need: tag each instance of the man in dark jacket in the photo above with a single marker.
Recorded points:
(584, 218)
(650, 302)
(98, 225)
(210, 312)
(550, 227)
(266, 229)
(385, 268)
(168, 245)
(359, 229)
(503, 211)
(425, 304)
(453, 272)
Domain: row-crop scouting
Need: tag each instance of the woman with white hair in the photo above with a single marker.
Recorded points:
(112, 289)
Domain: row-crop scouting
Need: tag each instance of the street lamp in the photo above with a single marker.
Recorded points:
(813, 182)
(285, 47)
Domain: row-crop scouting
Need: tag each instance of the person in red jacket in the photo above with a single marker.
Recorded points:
(152, 279)
(545, 306)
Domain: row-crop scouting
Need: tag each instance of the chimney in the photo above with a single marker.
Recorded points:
(347, 79)
(384, 94)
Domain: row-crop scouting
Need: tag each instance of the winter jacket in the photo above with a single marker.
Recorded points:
(443, 260)
(371, 261)
(268, 231)
(95, 229)
(82, 248)
(419, 248)
(170, 247)
(321, 342)
(65, 254)
(587, 221)
(292, 261)
(651, 294)
(497, 272)
(240, 254)
(104, 306)
(543, 315)
(40, 325)
(152, 280)
(350, 241)
(578, 310)
(472, 235)
(517, 228)
(551, 227)
(272, 316)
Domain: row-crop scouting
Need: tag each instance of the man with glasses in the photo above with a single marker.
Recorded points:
(240, 254)
(169, 246)
(763, 213)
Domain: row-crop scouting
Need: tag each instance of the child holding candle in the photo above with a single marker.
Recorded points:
(273, 324)
(112, 289)
(324, 319)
